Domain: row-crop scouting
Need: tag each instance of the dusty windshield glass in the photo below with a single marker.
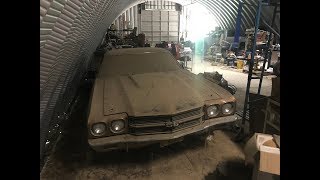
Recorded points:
(137, 64)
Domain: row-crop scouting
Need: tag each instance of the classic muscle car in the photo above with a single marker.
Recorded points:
(142, 96)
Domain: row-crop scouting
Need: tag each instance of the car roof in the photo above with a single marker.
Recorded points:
(143, 50)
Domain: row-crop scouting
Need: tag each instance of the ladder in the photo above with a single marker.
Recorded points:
(267, 57)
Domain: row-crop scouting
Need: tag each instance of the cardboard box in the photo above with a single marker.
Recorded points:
(270, 157)
(262, 151)
(274, 57)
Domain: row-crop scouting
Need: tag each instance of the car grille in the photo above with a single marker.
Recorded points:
(165, 124)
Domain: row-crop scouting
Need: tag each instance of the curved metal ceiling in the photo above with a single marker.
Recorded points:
(70, 30)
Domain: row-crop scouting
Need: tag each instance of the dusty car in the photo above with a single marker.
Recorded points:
(142, 96)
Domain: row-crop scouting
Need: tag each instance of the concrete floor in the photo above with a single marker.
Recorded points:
(194, 158)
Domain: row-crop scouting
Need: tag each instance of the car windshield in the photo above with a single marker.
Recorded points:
(137, 64)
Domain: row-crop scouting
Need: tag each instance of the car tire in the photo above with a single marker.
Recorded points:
(90, 156)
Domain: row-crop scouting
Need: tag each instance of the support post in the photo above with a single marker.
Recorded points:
(238, 26)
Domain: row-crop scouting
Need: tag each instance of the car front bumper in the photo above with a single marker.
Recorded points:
(128, 140)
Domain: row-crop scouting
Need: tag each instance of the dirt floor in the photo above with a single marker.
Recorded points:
(193, 158)
(216, 157)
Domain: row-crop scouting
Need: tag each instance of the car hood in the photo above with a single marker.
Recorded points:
(160, 93)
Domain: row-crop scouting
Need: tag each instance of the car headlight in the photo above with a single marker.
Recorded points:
(212, 111)
(227, 109)
(98, 129)
(117, 126)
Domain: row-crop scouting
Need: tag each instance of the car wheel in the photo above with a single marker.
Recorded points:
(90, 155)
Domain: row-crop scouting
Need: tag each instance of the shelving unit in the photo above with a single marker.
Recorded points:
(272, 116)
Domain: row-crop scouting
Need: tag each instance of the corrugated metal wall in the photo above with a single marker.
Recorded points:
(70, 30)
(69, 33)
